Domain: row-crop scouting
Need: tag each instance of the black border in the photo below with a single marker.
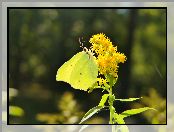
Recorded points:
(8, 8)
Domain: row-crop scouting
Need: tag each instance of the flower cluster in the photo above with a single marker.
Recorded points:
(107, 55)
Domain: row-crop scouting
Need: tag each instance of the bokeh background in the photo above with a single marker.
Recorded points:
(41, 40)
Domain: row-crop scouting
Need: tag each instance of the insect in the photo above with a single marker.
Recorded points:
(88, 51)
(80, 71)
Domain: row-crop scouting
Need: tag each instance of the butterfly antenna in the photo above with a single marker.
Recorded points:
(81, 43)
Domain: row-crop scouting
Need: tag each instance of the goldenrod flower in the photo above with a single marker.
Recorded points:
(101, 81)
(107, 55)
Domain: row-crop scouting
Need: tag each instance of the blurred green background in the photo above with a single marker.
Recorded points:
(41, 40)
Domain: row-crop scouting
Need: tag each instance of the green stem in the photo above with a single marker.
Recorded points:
(110, 106)
(110, 122)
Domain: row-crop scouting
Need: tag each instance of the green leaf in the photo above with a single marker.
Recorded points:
(16, 111)
(118, 119)
(91, 112)
(135, 111)
(103, 100)
(129, 99)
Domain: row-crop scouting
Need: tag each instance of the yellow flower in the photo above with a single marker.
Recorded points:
(101, 81)
(107, 55)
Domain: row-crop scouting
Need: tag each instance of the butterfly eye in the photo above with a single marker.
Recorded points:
(85, 49)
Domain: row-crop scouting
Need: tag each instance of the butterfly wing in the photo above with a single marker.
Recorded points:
(80, 71)
(64, 72)
(85, 73)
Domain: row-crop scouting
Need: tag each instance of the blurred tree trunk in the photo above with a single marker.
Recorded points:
(133, 14)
